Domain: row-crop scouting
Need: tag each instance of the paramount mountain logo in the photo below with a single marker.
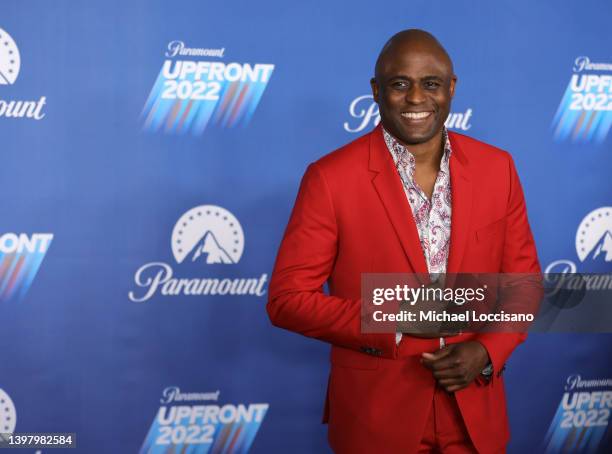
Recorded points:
(593, 244)
(594, 236)
(10, 65)
(207, 236)
(208, 232)
(213, 250)
(605, 245)
(603, 248)
(10, 59)
(8, 414)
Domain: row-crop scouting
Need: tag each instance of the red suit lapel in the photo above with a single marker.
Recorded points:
(461, 193)
(389, 187)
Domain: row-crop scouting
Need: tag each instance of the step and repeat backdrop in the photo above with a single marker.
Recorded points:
(150, 154)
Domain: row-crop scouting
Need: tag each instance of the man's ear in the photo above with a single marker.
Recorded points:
(374, 86)
(452, 85)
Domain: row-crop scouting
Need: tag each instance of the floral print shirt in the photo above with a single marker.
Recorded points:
(432, 217)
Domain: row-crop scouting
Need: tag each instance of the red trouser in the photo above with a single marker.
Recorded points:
(445, 431)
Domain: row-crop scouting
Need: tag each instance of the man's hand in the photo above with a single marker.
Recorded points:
(455, 366)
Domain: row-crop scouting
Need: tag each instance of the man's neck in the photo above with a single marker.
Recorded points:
(428, 154)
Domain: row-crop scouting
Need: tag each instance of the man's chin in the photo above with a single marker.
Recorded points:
(413, 138)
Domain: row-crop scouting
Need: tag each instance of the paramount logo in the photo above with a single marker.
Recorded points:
(205, 235)
(158, 277)
(365, 114)
(178, 48)
(10, 65)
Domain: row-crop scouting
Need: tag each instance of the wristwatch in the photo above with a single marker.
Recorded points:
(487, 371)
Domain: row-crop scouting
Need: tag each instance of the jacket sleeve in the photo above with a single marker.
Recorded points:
(304, 263)
(519, 258)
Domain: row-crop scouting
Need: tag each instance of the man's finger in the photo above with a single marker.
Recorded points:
(443, 352)
(448, 382)
(448, 362)
(452, 372)
(453, 388)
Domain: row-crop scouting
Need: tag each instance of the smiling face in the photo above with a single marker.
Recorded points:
(413, 87)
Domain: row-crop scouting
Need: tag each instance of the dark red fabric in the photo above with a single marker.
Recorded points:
(445, 431)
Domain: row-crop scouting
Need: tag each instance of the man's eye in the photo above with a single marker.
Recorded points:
(431, 85)
(399, 84)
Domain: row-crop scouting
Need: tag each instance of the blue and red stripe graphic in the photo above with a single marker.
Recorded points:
(585, 112)
(17, 272)
(221, 103)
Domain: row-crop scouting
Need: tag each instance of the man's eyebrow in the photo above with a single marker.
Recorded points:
(428, 77)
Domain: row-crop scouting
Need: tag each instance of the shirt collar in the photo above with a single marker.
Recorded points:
(403, 158)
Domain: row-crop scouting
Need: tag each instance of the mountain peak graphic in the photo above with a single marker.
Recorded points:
(603, 246)
(210, 248)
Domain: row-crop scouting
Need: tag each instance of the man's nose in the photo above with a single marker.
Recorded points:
(415, 95)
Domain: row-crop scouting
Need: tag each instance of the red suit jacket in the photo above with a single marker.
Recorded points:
(351, 216)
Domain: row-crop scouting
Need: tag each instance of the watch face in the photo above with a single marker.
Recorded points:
(10, 61)
(487, 370)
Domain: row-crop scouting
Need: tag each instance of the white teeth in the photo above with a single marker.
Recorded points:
(416, 115)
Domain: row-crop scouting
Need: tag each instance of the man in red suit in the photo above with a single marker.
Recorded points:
(409, 197)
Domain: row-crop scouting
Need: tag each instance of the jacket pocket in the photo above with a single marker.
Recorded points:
(492, 230)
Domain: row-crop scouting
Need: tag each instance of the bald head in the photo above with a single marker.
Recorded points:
(413, 85)
(412, 40)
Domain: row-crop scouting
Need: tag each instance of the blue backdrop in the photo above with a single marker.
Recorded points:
(150, 156)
